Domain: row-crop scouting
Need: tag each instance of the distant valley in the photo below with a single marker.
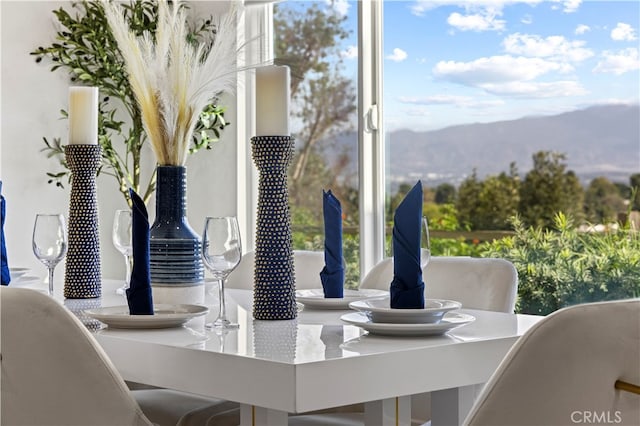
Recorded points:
(597, 141)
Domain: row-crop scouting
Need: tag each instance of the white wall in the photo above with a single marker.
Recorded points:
(31, 98)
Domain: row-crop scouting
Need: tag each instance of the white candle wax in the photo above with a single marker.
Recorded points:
(83, 115)
(272, 101)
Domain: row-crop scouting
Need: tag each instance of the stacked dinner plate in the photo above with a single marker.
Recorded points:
(377, 317)
(314, 298)
(176, 261)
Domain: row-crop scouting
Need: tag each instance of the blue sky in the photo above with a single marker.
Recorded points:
(451, 62)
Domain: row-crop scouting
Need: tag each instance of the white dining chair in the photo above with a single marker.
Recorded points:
(55, 373)
(570, 368)
(307, 266)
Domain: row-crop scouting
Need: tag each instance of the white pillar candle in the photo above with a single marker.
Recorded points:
(83, 115)
(272, 101)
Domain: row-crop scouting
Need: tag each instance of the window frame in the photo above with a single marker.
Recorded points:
(257, 24)
(371, 150)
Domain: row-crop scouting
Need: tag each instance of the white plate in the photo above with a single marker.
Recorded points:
(380, 311)
(164, 316)
(450, 321)
(314, 298)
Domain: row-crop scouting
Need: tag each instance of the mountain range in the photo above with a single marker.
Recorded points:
(600, 140)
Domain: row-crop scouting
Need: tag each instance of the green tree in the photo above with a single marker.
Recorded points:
(602, 201)
(445, 193)
(488, 204)
(550, 188)
(308, 39)
(634, 181)
(623, 189)
(468, 200)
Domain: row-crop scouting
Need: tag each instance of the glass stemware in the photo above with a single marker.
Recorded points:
(221, 252)
(49, 242)
(121, 236)
(425, 246)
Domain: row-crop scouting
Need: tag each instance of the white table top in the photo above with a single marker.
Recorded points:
(314, 362)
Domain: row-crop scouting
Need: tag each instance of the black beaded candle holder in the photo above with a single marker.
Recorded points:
(274, 280)
(82, 278)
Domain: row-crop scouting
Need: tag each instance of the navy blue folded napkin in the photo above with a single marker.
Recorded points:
(139, 292)
(407, 287)
(332, 275)
(6, 275)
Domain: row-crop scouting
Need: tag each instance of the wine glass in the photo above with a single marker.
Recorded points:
(49, 242)
(121, 236)
(425, 246)
(221, 252)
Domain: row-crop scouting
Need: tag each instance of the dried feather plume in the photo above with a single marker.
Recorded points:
(173, 79)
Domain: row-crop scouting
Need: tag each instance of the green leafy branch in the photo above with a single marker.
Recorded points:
(85, 48)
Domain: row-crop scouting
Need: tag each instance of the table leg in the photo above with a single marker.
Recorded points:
(388, 412)
(250, 415)
(449, 407)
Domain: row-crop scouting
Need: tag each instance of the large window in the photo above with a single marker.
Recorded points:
(504, 110)
(473, 90)
(523, 109)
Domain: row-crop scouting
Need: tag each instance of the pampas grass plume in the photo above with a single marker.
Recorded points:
(172, 79)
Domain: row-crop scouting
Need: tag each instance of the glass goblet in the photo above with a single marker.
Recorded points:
(221, 252)
(121, 236)
(425, 246)
(49, 242)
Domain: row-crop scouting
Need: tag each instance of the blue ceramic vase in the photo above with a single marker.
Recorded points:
(175, 249)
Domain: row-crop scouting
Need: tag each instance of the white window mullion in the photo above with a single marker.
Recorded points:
(370, 129)
(256, 35)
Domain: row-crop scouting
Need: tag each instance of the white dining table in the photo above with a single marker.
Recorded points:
(317, 361)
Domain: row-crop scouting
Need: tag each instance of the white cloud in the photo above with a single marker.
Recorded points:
(618, 62)
(419, 7)
(398, 55)
(568, 6)
(496, 70)
(456, 100)
(623, 32)
(510, 76)
(532, 89)
(350, 52)
(582, 29)
(552, 47)
(527, 19)
(476, 22)
(571, 6)
(341, 7)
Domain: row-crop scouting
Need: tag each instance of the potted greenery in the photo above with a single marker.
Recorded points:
(86, 49)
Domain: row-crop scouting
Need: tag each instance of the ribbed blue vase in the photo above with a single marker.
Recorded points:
(175, 255)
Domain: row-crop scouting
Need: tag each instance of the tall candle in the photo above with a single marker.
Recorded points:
(272, 101)
(83, 115)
